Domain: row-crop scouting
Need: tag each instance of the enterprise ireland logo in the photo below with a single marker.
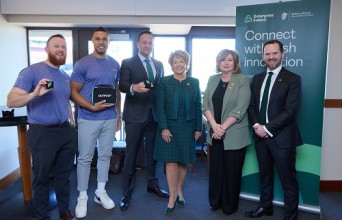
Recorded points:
(248, 19)
(257, 18)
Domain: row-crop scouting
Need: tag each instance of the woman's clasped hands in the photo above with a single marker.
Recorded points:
(218, 132)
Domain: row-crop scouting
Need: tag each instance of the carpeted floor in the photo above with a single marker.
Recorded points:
(146, 205)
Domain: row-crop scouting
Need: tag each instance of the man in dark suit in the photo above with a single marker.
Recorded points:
(273, 117)
(138, 79)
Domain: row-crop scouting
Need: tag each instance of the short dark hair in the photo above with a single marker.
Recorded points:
(281, 46)
(101, 29)
(53, 36)
(145, 32)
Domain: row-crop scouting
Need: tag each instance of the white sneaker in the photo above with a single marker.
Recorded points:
(81, 207)
(103, 199)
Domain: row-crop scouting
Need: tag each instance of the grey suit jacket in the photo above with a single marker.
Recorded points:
(235, 103)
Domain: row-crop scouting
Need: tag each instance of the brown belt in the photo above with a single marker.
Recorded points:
(64, 124)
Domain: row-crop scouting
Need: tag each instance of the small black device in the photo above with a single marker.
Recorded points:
(104, 92)
(49, 85)
(148, 84)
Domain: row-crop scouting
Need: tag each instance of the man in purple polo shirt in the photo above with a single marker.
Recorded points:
(52, 141)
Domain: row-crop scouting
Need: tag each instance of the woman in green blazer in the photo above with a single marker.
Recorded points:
(179, 112)
(225, 104)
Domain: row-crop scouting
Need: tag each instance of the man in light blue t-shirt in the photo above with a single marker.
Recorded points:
(97, 122)
(52, 141)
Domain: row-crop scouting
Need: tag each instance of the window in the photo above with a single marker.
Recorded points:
(204, 52)
(120, 47)
(163, 46)
(37, 43)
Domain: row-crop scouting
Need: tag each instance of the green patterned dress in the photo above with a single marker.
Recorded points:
(181, 148)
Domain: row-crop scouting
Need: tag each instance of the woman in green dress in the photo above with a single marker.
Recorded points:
(179, 111)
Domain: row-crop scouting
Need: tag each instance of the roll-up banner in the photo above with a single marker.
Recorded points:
(303, 27)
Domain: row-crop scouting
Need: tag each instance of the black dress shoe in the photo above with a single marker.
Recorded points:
(67, 216)
(258, 212)
(124, 203)
(157, 190)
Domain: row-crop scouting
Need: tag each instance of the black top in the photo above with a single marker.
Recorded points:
(218, 100)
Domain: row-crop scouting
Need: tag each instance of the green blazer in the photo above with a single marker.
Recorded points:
(167, 101)
(235, 103)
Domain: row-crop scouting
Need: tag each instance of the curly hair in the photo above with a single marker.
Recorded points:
(181, 54)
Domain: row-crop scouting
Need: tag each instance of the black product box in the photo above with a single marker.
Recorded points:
(104, 93)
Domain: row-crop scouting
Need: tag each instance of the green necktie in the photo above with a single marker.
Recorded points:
(149, 70)
(264, 101)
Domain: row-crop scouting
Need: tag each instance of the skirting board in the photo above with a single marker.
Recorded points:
(330, 186)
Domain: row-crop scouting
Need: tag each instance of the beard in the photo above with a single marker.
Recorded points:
(56, 60)
(273, 64)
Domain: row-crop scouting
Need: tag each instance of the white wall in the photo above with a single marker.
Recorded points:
(332, 132)
(13, 58)
(118, 7)
(179, 12)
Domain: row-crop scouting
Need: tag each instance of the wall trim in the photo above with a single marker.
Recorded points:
(333, 103)
(330, 186)
(10, 178)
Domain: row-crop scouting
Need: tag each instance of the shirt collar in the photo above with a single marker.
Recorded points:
(142, 58)
(276, 70)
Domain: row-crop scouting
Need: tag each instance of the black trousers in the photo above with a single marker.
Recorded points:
(53, 153)
(284, 159)
(137, 133)
(225, 177)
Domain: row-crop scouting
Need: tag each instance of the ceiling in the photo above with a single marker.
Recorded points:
(162, 17)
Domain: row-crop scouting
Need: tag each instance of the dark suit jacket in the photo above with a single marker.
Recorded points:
(137, 106)
(283, 106)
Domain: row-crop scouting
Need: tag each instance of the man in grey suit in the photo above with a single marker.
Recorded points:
(139, 78)
(272, 112)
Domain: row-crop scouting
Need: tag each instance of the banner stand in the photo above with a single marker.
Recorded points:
(302, 207)
(305, 48)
